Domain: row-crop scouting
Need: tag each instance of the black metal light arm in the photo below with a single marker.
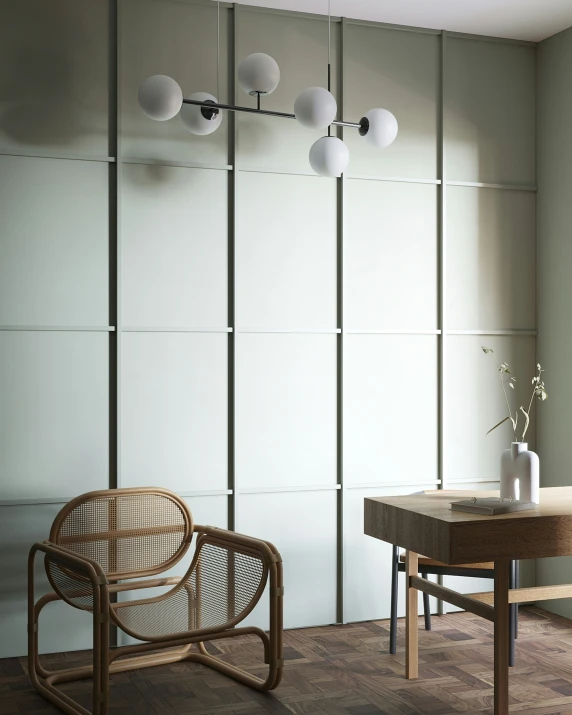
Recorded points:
(266, 112)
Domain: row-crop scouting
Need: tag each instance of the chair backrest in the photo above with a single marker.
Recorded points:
(130, 532)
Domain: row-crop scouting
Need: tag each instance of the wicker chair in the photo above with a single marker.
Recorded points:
(103, 538)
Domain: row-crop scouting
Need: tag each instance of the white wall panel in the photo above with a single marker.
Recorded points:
(390, 237)
(174, 240)
(174, 411)
(53, 77)
(302, 526)
(54, 421)
(475, 402)
(367, 577)
(177, 39)
(489, 111)
(285, 410)
(398, 71)
(390, 408)
(300, 46)
(491, 259)
(53, 242)
(286, 252)
(20, 528)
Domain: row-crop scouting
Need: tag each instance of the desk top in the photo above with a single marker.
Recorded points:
(424, 523)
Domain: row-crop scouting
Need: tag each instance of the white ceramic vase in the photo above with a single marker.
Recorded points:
(520, 473)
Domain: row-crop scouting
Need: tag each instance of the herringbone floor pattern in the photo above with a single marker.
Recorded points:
(340, 670)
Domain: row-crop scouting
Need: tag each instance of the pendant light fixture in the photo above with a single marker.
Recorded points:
(258, 74)
(161, 99)
(329, 156)
(201, 119)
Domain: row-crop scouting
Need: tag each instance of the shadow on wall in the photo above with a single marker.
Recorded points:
(51, 71)
(14, 560)
(147, 176)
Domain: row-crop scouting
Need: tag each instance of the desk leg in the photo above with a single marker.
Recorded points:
(411, 617)
(501, 623)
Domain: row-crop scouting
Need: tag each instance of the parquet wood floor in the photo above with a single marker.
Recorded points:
(340, 670)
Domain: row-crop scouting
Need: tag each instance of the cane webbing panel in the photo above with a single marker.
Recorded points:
(219, 589)
(226, 581)
(126, 533)
(175, 613)
(75, 588)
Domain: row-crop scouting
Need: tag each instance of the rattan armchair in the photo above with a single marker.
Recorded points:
(102, 539)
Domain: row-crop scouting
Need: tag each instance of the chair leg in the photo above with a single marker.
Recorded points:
(511, 619)
(393, 614)
(426, 606)
(516, 585)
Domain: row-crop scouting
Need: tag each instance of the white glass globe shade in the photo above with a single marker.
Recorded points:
(329, 156)
(382, 128)
(315, 107)
(258, 74)
(193, 118)
(160, 97)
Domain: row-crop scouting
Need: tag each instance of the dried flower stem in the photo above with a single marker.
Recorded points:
(538, 389)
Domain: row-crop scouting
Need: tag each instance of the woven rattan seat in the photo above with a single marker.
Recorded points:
(101, 541)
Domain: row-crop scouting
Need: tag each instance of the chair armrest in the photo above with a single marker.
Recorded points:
(266, 549)
(76, 579)
(89, 567)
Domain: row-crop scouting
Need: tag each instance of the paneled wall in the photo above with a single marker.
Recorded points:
(205, 314)
(554, 141)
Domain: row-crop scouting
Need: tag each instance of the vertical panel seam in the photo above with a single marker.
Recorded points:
(340, 199)
(232, 515)
(442, 228)
(442, 261)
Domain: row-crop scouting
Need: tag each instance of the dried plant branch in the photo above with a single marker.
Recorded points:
(538, 390)
(504, 369)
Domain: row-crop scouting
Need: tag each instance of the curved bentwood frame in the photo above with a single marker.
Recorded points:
(147, 654)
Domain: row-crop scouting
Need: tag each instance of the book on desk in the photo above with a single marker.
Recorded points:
(491, 505)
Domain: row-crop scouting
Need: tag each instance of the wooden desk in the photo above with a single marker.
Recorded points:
(424, 524)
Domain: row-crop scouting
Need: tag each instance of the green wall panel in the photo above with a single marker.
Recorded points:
(300, 46)
(174, 411)
(489, 111)
(174, 247)
(54, 245)
(390, 400)
(54, 432)
(53, 77)
(491, 259)
(286, 252)
(391, 256)
(554, 143)
(285, 410)
(177, 39)
(398, 71)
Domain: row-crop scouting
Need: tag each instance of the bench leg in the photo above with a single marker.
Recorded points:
(393, 614)
(501, 638)
(426, 606)
(411, 634)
